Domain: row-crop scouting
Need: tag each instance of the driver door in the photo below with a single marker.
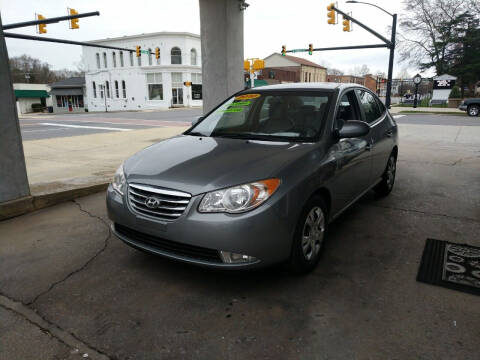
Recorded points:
(352, 155)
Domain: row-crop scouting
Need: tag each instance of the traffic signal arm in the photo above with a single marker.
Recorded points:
(348, 17)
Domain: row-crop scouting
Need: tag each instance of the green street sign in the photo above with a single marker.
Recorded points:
(145, 51)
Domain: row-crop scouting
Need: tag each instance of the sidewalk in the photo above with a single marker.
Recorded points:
(70, 162)
(399, 109)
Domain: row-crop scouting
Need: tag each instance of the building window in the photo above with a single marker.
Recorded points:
(139, 60)
(196, 86)
(124, 89)
(193, 57)
(101, 91)
(94, 88)
(155, 86)
(271, 74)
(176, 55)
(104, 60)
(98, 61)
(114, 58)
(150, 62)
(69, 101)
(121, 59)
(116, 89)
(108, 89)
(131, 58)
(309, 77)
(305, 80)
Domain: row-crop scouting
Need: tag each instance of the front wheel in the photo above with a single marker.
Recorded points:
(473, 110)
(309, 237)
(385, 186)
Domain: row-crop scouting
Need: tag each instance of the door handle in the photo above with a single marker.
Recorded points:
(389, 133)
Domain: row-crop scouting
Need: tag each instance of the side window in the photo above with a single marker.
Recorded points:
(347, 109)
(369, 106)
(381, 106)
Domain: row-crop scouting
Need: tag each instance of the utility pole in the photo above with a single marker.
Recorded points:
(390, 63)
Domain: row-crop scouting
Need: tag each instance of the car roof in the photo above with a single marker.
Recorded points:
(329, 86)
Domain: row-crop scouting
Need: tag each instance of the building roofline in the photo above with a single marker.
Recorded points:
(163, 33)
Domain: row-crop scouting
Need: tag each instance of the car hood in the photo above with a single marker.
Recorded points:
(200, 164)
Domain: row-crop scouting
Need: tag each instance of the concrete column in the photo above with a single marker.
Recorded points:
(13, 173)
(221, 32)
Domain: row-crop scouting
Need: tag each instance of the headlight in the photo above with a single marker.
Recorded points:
(119, 181)
(239, 198)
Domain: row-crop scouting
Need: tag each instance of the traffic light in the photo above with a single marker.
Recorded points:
(42, 28)
(310, 49)
(73, 22)
(346, 24)
(331, 14)
(258, 64)
(157, 53)
(137, 51)
(284, 50)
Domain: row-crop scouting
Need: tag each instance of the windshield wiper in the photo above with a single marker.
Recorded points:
(195, 133)
(253, 136)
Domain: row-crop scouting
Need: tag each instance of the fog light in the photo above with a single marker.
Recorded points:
(232, 258)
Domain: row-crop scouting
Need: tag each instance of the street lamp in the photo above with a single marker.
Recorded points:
(392, 49)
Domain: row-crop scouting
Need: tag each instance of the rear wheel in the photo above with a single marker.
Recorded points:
(309, 236)
(388, 178)
(473, 110)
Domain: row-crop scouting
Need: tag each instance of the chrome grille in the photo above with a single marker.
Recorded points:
(171, 203)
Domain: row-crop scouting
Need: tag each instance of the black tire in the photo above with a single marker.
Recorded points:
(388, 177)
(300, 262)
(473, 110)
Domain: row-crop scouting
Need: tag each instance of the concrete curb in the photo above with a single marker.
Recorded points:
(28, 204)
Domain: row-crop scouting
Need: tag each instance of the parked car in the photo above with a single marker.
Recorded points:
(257, 180)
(471, 106)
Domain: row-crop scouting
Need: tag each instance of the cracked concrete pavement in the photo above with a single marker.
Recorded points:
(68, 287)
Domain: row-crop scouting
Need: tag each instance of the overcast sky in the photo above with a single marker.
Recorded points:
(268, 25)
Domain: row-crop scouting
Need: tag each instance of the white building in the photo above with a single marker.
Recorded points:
(27, 95)
(119, 80)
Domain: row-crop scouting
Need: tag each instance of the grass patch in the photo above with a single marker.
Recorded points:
(432, 112)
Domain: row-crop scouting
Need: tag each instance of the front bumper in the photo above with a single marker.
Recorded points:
(261, 233)
(462, 107)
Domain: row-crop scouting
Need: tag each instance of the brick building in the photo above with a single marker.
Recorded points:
(284, 69)
(346, 79)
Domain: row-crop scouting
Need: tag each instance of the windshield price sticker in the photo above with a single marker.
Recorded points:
(233, 110)
(247, 96)
(240, 103)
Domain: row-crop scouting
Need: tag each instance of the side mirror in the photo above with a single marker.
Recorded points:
(196, 120)
(353, 129)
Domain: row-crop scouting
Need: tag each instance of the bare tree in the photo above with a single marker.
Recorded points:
(333, 71)
(425, 36)
(360, 70)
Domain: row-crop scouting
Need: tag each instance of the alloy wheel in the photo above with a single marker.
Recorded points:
(391, 169)
(313, 233)
(473, 111)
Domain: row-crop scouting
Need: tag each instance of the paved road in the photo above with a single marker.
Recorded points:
(452, 120)
(52, 126)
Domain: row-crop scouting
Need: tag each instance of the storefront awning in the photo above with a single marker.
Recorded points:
(31, 94)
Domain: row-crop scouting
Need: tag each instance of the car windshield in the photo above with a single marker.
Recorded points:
(291, 116)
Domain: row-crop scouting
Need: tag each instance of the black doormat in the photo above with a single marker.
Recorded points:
(454, 266)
